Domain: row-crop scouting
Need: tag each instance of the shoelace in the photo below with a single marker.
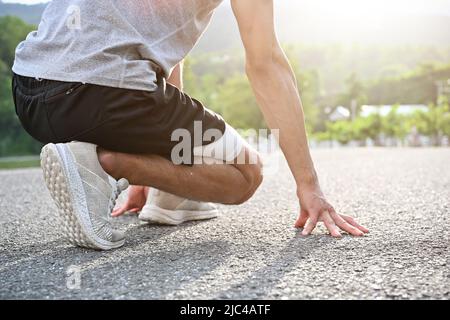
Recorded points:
(120, 186)
(104, 223)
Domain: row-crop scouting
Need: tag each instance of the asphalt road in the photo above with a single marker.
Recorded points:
(252, 251)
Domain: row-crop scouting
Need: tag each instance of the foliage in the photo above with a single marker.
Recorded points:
(13, 30)
(417, 86)
(354, 94)
(13, 139)
(238, 105)
(434, 123)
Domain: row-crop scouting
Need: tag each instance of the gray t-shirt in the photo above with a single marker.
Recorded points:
(116, 43)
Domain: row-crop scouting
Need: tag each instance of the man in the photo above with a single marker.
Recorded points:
(95, 73)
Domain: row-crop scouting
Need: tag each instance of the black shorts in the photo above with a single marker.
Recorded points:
(123, 120)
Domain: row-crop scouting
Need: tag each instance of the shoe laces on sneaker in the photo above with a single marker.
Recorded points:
(103, 223)
(118, 187)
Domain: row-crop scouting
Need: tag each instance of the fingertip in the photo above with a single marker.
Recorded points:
(115, 214)
(363, 230)
(355, 232)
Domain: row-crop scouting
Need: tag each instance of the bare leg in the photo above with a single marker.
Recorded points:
(221, 183)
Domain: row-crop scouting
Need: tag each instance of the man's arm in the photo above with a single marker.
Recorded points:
(274, 84)
(275, 88)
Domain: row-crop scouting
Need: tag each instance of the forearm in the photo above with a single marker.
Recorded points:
(276, 91)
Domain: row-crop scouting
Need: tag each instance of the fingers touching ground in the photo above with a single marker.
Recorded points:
(333, 222)
(119, 211)
(312, 222)
(341, 223)
(330, 224)
(352, 221)
(310, 225)
(300, 223)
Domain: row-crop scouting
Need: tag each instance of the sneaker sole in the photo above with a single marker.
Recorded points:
(156, 214)
(70, 198)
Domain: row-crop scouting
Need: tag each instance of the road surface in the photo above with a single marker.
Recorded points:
(251, 251)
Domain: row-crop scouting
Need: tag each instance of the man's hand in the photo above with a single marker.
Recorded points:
(137, 196)
(315, 208)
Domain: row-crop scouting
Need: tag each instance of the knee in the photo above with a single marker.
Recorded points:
(257, 174)
(254, 176)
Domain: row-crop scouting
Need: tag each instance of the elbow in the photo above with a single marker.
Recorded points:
(258, 68)
(258, 59)
(263, 64)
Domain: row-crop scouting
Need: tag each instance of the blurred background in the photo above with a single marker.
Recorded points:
(370, 72)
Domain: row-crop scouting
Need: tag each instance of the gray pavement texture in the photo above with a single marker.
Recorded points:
(251, 251)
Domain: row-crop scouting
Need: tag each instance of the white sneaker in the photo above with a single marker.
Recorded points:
(165, 208)
(84, 193)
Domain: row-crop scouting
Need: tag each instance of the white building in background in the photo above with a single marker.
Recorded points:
(412, 139)
(383, 110)
(339, 113)
(343, 113)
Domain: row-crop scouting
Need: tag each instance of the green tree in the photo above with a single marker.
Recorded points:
(395, 125)
(12, 31)
(444, 123)
(368, 128)
(238, 105)
(434, 122)
(354, 94)
(13, 139)
(415, 86)
(340, 131)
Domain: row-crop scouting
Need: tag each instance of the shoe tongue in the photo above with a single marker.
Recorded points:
(122, 184)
